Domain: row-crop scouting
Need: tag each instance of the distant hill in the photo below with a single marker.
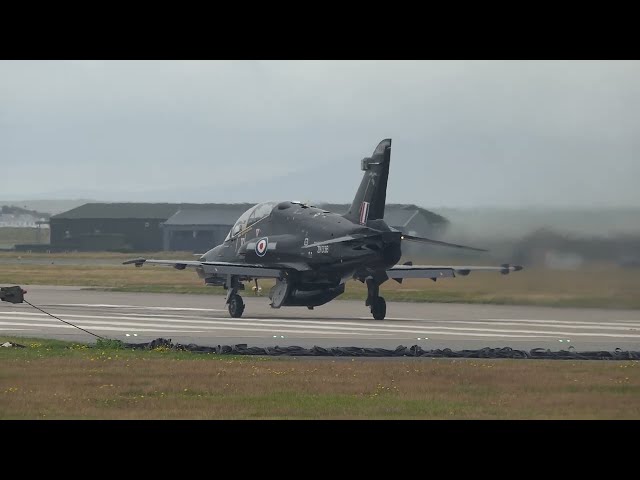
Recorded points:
(50, 207)
(13, 210)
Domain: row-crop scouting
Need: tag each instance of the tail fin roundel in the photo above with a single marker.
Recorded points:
(370, 199)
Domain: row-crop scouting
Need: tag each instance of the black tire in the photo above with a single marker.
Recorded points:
(379, 308)
(236, 306)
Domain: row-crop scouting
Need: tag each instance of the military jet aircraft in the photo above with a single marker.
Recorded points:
(312, 252)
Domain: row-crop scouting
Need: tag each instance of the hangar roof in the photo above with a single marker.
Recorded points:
(397, 215)
(160, 211)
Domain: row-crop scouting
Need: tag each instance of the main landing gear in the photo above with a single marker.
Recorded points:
(379, 308)
(374, 300)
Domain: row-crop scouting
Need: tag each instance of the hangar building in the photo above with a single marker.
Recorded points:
(114, 226)
(188, 226)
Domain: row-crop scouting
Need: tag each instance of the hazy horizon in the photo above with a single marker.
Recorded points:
(466, 134)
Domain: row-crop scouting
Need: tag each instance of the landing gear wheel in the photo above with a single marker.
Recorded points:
(310, 307)
(379, 308)
(236, 306)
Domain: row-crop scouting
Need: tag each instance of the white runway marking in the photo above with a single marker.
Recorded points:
(301, 327)
(136, 318)
(344, 324)
(89, 321)
(141, 307)
(520, 321)
(547, 324)
(137, 328)
(99, 327)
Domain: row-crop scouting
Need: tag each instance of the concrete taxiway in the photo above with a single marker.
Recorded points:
(204, 320)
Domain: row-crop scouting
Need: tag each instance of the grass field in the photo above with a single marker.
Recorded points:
(594, 285)
(58, 380)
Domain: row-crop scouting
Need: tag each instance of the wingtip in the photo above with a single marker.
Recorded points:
(136, 261)
(506, 268)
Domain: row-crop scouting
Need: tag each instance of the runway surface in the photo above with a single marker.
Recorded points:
(204, 320)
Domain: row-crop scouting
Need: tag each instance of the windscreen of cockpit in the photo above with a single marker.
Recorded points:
(250, 217)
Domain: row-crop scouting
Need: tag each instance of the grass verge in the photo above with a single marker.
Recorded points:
(52, 379)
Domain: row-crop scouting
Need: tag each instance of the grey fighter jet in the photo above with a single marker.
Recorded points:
(312, 252)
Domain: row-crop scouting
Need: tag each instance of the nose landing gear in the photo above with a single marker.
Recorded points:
(234, 301)
(236, 306)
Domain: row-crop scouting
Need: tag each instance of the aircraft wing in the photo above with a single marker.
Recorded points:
(443, 271)
(215, 268)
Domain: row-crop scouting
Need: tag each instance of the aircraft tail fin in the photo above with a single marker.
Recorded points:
(370, 199)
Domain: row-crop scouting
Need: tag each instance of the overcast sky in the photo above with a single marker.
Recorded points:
(465, 133)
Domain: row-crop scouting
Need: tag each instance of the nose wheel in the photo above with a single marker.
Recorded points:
(234, 301)
(236, 306)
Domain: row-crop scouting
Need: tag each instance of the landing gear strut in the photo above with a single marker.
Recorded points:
(234, 301)
(374, 300)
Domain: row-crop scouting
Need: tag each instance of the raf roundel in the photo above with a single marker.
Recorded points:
(261, 246)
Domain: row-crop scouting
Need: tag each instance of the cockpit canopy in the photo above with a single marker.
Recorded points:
(250, 218)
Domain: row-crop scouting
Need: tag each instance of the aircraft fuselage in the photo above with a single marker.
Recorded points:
(287, 237)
